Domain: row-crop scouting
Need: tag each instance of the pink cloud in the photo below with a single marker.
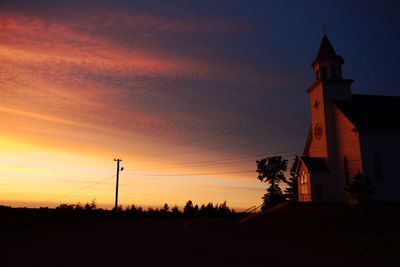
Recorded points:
(94, 39)
(68, 70)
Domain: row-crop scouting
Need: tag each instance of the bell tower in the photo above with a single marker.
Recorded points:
(327, 65)
(328, 85)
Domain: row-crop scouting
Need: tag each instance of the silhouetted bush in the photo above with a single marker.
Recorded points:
(361, 188)
(90, 206)
(65, 207)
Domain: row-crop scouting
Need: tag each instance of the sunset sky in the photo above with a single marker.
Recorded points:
(189, 94)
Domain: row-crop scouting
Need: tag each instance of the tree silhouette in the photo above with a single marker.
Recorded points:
(361, 188)
(120, 209)
(165, 208)
(65, 207)
(133, 210)
(210, 210)
(223, 210)
(207, 210)
(78, 206)
(188, 210)
(175, 211)
(90, 206)
(292, 190)
(274, 195)
(272, 170)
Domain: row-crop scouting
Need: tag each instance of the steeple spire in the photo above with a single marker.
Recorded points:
(326, 51)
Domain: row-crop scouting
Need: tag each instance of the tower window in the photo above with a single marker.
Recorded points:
(333, 72)
(378, 167)
(324, 73)
(316, 75)
(346, 170)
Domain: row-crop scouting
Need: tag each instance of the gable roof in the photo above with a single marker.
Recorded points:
(371, 111)
(308, 141)
(314, 164)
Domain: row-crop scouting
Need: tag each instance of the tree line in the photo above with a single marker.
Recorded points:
(189, 210)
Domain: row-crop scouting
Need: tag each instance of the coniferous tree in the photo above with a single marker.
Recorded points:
(175, 211)
(292, 191)
(164, 210)
(165, 207)
(188, 209)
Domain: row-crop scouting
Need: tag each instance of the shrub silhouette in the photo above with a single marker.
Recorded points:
(361, 188)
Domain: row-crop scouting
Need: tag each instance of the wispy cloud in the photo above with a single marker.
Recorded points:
(70, 69)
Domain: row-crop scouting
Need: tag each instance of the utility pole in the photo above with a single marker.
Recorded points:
(116, 189)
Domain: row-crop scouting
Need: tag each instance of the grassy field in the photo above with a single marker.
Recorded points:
(338, 235)
(297, 235)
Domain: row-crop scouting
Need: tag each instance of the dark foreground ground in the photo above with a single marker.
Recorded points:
(317, 235)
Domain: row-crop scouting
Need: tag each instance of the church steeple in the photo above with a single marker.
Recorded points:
(328, 86)
(327, 65)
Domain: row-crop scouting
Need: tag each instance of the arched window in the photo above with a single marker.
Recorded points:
(304, 194)
(378, 166)
(333, 72)
(316, 75)
(303, 177)
(346, 170)
(324, 73)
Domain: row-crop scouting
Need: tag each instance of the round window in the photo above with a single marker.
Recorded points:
(318, 130)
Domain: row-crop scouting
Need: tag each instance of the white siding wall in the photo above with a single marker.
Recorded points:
(347, 145)
(388, 145)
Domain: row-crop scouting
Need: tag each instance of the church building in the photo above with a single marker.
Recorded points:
(349, 133)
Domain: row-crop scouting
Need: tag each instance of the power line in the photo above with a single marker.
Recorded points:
(229, 160)
(81, 182)
(187, 174)
(234, 159)
(76, 190)
(235, 146)
(260, 125)
(241, 159)
(221, 134)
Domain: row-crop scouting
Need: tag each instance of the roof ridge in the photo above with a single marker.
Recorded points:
(370, 95)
